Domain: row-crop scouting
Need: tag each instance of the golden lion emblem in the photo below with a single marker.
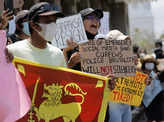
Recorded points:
(52, 108)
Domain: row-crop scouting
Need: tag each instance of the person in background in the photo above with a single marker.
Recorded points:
(136, 49)
(158, 52)
(153, 98)
(142, 53)
(118, 112)
(36, 48)
(22, 27)
(91, 19)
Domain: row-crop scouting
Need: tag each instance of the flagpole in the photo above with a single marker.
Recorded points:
(33, 101)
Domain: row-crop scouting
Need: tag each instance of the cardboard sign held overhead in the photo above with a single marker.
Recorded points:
(67, 28)
(105, 57)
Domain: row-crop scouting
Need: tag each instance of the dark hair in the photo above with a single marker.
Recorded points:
(144, 63)
(135, 49)
(158, 42)
(159, 53)
(20, 22)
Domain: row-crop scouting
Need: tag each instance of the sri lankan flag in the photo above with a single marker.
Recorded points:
(63, 95)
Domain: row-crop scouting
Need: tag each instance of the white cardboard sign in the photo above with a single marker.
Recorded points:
(69, 27)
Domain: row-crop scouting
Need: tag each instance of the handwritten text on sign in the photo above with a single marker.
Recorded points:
(69, 27)
(129, 90)
(108, 56)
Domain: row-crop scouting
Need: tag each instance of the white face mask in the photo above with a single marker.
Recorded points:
(149, 66)
(43, 29)
(47, 31)
(142, 55)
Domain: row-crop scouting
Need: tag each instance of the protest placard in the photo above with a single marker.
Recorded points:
(129, 90)
(67, 28)
(104, 28)
(57, 98)
(105, 57)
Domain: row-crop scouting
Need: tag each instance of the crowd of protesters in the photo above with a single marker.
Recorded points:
(26, 40)
(153, 99)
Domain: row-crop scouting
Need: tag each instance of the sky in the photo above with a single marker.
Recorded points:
(158, 14)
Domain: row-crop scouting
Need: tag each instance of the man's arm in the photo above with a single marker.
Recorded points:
(74, 56)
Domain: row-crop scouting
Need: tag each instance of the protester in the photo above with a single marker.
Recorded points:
(136, 51)
(118, 112)
(158, 52)
(138, 112)
(36, 48)
(153, 99)
(91, 19)
(22, 27)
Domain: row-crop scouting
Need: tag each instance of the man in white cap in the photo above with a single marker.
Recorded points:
(118, 112)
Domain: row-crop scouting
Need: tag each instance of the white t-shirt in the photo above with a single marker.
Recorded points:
(49, 56)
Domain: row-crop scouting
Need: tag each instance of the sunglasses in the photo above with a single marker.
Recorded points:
(92, 17)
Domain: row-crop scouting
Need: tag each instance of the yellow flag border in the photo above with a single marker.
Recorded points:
(105, 100)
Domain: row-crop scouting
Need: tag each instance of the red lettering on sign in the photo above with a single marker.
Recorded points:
(118, 96)
(115, 93)
(106, 70)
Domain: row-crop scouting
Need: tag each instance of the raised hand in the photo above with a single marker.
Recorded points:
(71, 44)
(5, 17)
(112, 81)
(74, 59)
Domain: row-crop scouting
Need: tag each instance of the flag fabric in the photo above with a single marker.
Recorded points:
(63, 95)
(14, 99)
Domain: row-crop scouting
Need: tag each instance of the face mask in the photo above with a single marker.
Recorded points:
(26, 28)
(142, 55)
(43, 30)
(49, 33)
(149, 66)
